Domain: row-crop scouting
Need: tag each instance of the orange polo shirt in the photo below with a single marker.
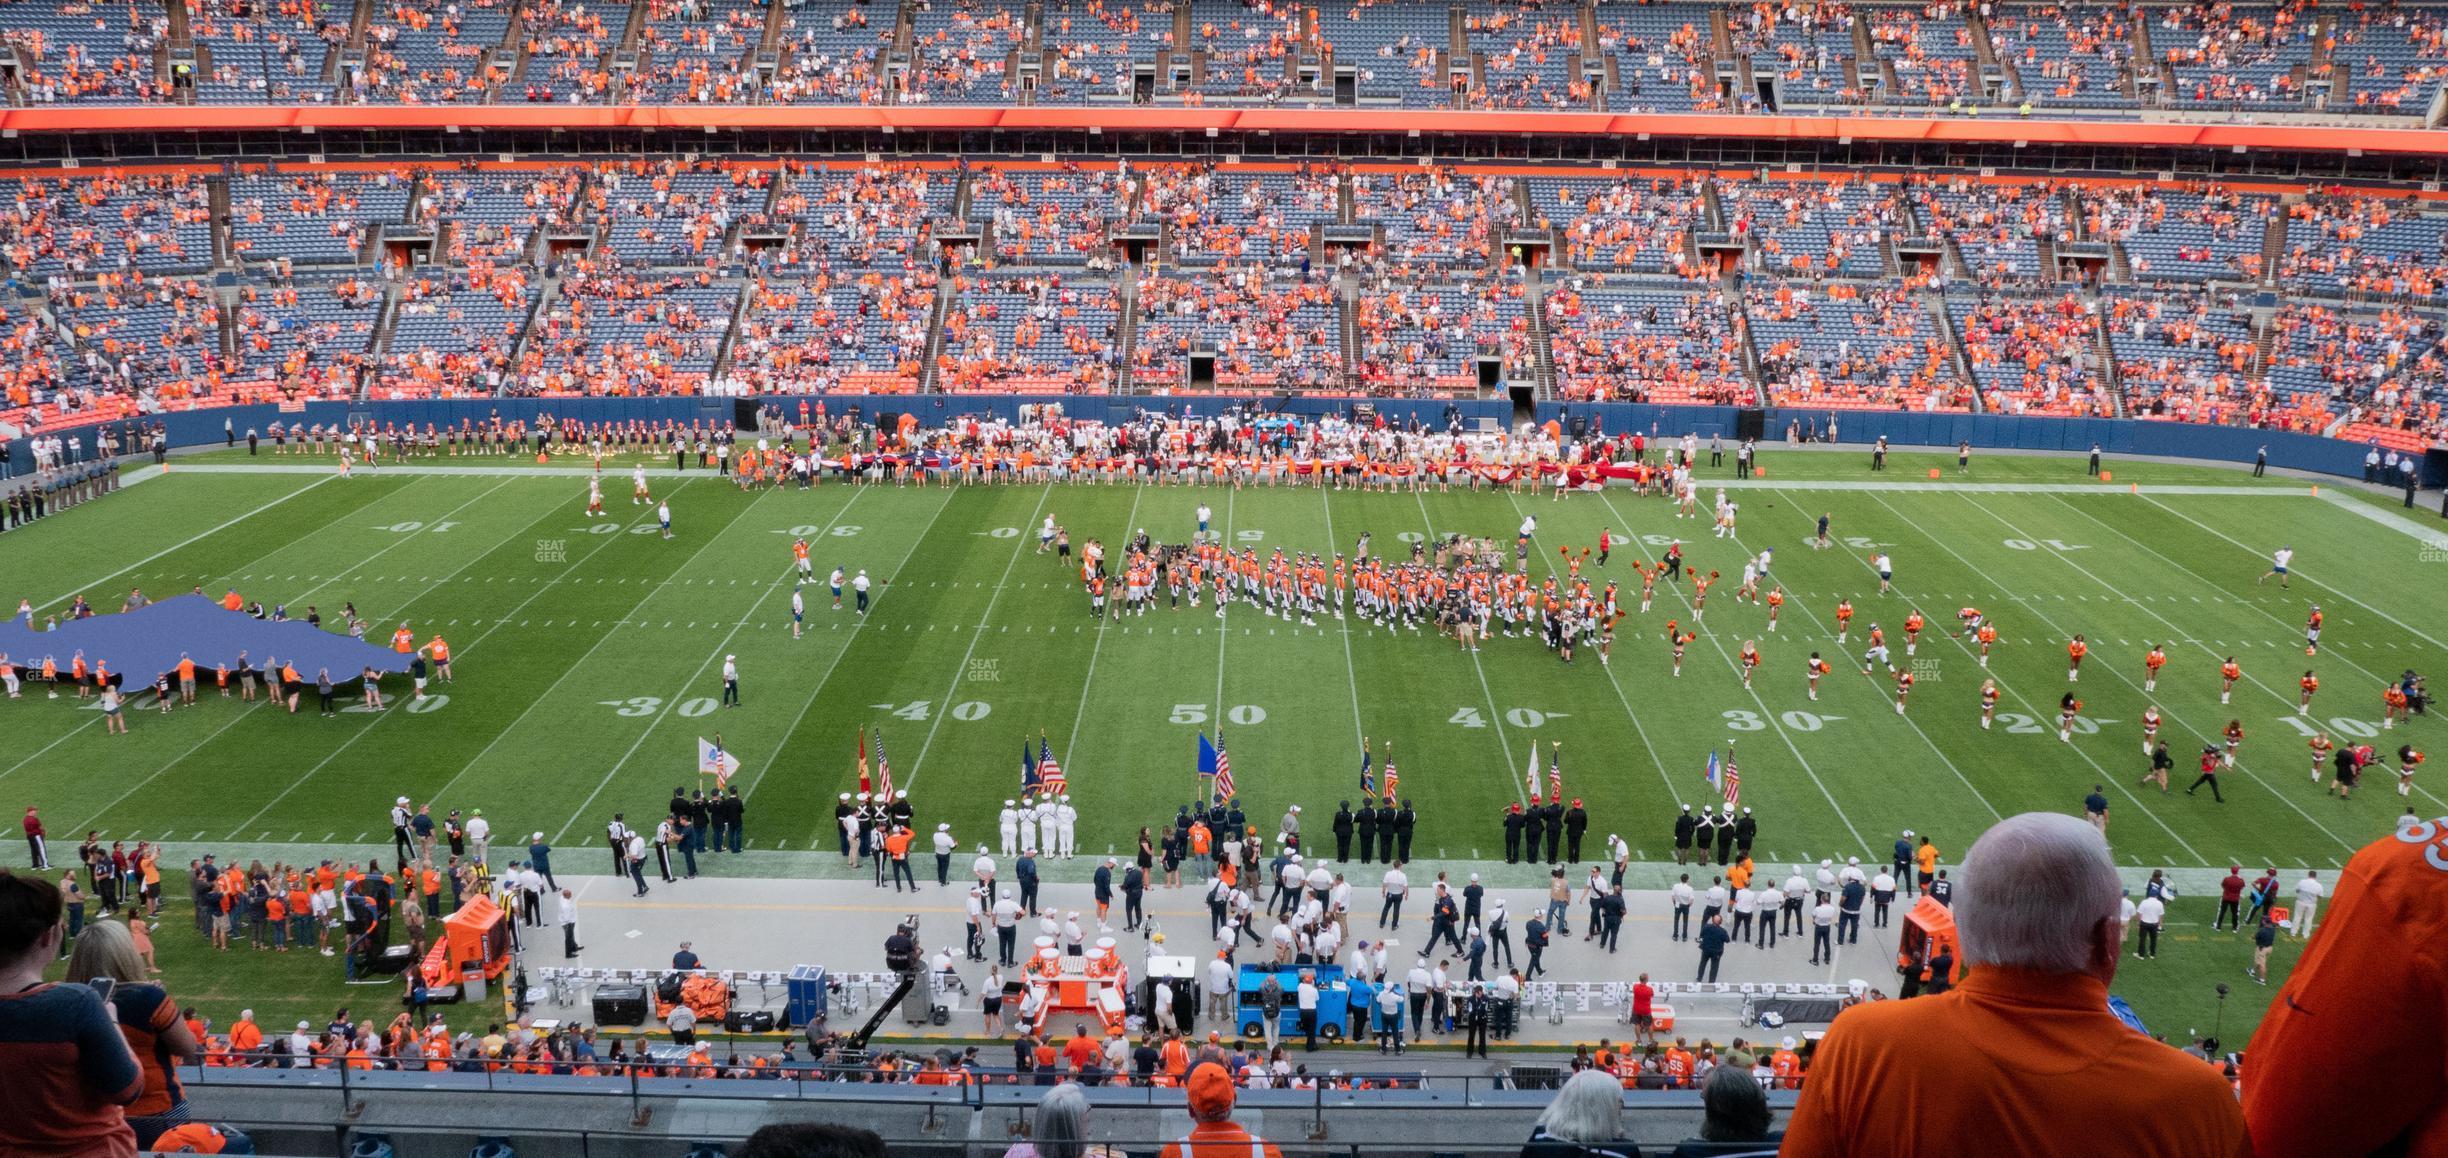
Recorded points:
(2372, 977)
(2032, 1063)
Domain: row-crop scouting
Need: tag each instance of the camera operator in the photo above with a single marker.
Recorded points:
(901, 950)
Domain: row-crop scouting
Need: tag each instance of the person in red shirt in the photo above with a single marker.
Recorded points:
(1644, 1011)
(35, 846)
(2231, 900)
(1081, 1049)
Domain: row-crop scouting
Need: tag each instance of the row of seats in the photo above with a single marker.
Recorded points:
(1303, 276)
(2384, 60)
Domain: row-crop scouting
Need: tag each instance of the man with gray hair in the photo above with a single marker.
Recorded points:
(2024, 1053)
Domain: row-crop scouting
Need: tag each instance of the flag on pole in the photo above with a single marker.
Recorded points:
(1028, 769)
(1368, 779)
(1555, 772)
(1223, 775)
(1050, 780)
(1711, 772)
(864, 784)
(1733, 781)
(1393, 778)
(713, 761)
(884, 784)
(1206, 765)
(1530, 781)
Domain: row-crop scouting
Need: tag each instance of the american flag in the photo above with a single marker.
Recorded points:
(1393, 778)
(1555, 773)
(1049, 774)
(884, 784)
(1733, 782)
(1223, 777)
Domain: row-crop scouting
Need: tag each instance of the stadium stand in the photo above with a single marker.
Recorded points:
(2309, 308)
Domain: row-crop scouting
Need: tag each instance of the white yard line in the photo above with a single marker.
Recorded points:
(251, 562)
(498, 624)
(2105, 777)
(1495, 714)
(816, 690)
(1019, 544)
(2420, 533)
(1079, 714)
(190, 541)
(1772, 719)
(402, 541)
(95, 821)
(1351, 672)
(2119, 672)
(1821, 626)
(2264, 556)
(1626, 701)
(790, 573)
(2339, 654)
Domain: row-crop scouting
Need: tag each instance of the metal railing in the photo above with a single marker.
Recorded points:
(970, 1089)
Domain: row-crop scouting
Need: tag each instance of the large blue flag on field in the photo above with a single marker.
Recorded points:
(1206, 758)
(1028, 769)
(1368, 779)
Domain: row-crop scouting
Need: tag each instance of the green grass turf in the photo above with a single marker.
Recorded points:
(588, 664)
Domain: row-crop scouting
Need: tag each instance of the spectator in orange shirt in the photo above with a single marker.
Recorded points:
(1215, 1134)
(2024, 1054)
(2368, 978)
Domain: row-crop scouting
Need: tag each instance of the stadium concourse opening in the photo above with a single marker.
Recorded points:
(1127, 379)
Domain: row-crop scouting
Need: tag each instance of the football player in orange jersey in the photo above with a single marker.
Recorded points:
(2312, 628)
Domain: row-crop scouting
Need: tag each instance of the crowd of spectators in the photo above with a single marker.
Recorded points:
(668, 275)
(1660, 56)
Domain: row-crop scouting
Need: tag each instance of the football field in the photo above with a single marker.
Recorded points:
(589, 652)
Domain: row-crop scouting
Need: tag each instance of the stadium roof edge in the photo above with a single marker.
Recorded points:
(647, 118)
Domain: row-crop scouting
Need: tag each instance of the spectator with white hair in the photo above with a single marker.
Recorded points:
(2025, 1053)
(1584, 1121)
(1059, 1128)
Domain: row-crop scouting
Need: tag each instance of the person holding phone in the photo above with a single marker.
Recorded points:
(106, 959)
(70, 1072)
